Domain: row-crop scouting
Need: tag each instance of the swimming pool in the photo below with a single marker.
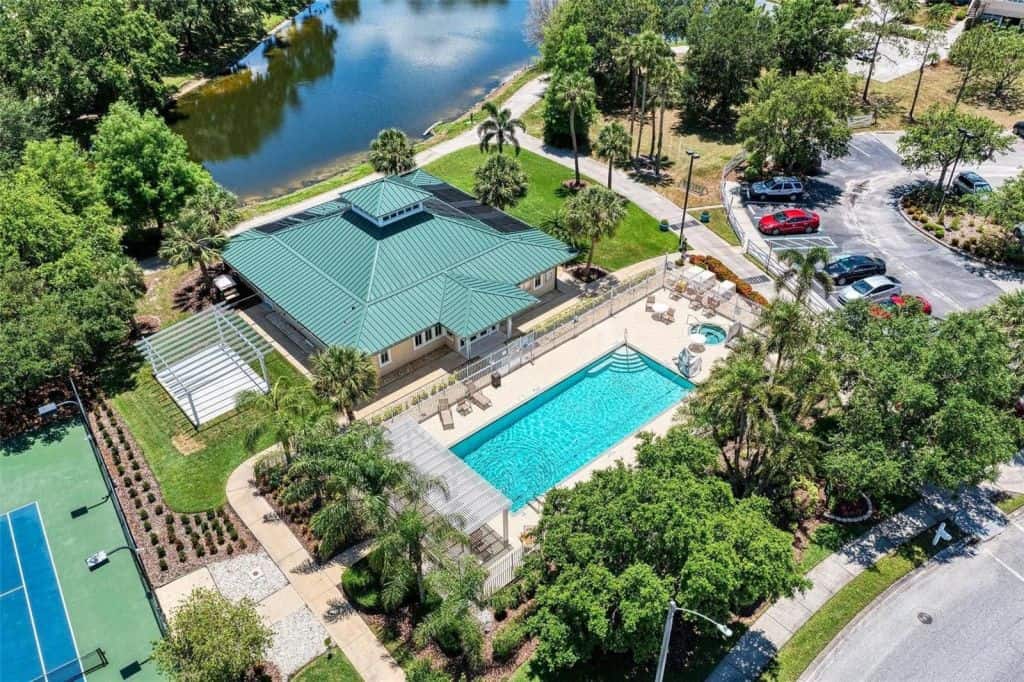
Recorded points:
(535, 446)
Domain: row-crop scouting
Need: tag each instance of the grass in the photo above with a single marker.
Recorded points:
(1010, 503)
(193, 482)
(826, 539)
(793, 659)
(329, 667)
(716, 148)
(939, 85)
(637, 239)
(159, 297)
(357, 172)
(719, 224)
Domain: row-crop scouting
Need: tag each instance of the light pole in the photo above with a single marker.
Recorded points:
(686, 197)
(667, 634)
(964, 136)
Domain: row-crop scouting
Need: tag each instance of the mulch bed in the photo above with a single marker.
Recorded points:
(580, 273)
(400, 625)
(171, 544)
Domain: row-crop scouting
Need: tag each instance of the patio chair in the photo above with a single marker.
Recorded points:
(669, 316)
(463, 408)
(650, 304)
(478, 398)
(444, 411)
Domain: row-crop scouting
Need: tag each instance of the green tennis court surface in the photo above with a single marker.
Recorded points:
(53, 609)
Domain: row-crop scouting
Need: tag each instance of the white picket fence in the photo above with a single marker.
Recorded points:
(502, 571)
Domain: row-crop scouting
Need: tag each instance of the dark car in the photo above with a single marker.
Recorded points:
(970, 182)
(846, 269)
(1018, 128)
(790, 221)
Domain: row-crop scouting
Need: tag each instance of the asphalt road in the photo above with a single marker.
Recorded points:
(856, 197)
(962, 619)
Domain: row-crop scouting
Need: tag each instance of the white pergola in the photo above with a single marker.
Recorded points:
(205, 361)
(471, 501)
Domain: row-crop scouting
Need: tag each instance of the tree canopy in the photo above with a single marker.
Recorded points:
(812, 36)
(799, 121)
(500, 181)
(613, 550)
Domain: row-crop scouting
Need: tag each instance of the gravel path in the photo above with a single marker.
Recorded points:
(254, 576)
(298, 639)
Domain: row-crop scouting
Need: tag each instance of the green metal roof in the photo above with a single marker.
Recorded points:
(349, 282)
(385, 196)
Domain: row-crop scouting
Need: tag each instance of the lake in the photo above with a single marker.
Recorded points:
(347, 69)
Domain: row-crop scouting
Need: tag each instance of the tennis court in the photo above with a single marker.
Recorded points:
(59, 620)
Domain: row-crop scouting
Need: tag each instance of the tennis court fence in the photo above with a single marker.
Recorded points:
(76, 669)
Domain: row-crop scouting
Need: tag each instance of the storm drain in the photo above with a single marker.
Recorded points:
(925, 618)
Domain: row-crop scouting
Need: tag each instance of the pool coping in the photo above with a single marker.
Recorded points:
(607, 350)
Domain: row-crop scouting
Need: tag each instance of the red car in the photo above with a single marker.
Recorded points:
(885, 308)
(789, 221)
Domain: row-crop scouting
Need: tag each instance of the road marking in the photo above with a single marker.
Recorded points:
(1002, 563)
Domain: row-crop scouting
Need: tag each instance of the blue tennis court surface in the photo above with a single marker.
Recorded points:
(36, 642)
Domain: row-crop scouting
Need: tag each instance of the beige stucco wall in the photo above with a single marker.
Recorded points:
(549, 278)
(403, 352)
(1003, 8)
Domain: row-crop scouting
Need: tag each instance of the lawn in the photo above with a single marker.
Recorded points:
(637, 239)
(828, 538)
(159, 297)
(939, 85)
(357, 172)
(329, 667)
(193, 482)
(719, 224)
(1010, 503)
(715, 146)
(794, 657)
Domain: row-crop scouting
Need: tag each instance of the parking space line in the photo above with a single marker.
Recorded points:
(1002, 563)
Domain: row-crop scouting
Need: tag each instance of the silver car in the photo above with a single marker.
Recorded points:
(877, 288)
(777, 188)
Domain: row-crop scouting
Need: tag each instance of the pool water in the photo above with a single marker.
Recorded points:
(713, 334)
(535, 446)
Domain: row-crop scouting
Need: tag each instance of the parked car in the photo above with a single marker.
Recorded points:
(1018, 407)
(970, 182)
(850, 268)
(790, 221)
(1018, 128)
(866, 55)
(896, 301)
(777, 188)
(877, 288)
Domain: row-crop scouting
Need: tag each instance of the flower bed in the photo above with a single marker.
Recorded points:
(962, 229)
(171, 544)
(723, 273)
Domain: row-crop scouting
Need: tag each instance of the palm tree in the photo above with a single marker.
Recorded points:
(804, 270)
(453, 624)
(627, 56)
(573, 92)
(613, 143)
(668, 83)
(199, 235)
(391, 152)
(592, 215)
(409, 532)
(786, 330)
(500, 181)
(345, 376)
(651, 48)
(499, 126)
(285, 411)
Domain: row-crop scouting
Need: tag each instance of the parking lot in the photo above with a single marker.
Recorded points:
(856, 197)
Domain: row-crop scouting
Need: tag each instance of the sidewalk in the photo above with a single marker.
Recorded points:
(701, 239)
(317, 585)
(972, 513)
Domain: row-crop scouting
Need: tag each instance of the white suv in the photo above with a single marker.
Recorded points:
(777, 188)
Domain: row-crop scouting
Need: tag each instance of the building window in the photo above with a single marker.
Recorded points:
(538, 280)
(384, 358)
(426, 336)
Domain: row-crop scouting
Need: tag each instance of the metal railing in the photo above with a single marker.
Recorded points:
(600, 304)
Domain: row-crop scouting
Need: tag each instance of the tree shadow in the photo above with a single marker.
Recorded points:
(705, 129)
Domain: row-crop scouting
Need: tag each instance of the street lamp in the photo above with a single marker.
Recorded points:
(964, 136)
(686, 196)
(667, 634)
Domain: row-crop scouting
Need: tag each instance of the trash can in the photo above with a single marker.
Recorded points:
(495, 379)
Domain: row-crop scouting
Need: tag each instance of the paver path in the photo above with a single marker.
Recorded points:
(972, 512)
(317, 585)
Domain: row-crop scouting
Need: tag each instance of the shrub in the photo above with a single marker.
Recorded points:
(507, 640)
(135, 466)
(200, 551)
(955, 241)
(420, 670)
(184, 519)
(151, 497)
(137, 476)
(161, 552)
(209, 514)
(120, 470)
(133, 493)
(127, 481)
(143, 514)
(145, 485)
(163, 564)
(940, 232)
(181, 556)
(505, 599)
(154, 538)
(159, 511)
(230, 550)
(146, 526)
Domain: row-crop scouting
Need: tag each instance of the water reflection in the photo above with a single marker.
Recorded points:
(348, 69)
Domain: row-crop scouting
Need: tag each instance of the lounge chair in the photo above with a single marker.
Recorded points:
(478, 398)
(444, 411)
(463, 408)
(669, 316)
(650, 304)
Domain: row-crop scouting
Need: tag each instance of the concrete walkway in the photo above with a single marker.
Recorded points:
(972, 512)
(318, 586)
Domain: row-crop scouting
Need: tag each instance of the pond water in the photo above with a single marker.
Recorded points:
(348, 69)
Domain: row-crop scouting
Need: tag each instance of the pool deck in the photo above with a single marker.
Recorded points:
(661, 342)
